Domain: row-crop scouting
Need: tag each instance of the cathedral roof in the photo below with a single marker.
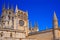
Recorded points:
(42, 32)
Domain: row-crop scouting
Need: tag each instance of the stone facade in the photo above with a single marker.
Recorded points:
(16, 26)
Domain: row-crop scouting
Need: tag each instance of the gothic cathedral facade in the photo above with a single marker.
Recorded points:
(14, 25)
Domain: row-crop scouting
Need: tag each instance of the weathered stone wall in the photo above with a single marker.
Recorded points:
(42, 36)
(13, 35)
(59, 34)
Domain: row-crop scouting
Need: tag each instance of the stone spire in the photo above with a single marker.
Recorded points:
(3, 7)
(8, 6)
(36, 26)
(55, 17)
(12, 8)
(30, 26)
(55, 27)
(55, 21)
(16, 9)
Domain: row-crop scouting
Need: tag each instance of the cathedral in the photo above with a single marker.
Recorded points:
(15, 25)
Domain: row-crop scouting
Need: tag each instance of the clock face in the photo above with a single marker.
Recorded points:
(21, 22)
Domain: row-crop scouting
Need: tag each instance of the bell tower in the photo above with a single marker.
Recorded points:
(22, 20)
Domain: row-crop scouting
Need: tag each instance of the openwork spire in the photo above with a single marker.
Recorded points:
(8, 6)
(36, 26)
(16, 9)
(3, 7)
(30, 26)
(12, 7)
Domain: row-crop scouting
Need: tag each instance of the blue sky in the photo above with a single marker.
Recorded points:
(38, 10)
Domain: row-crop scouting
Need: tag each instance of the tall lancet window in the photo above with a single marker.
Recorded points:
(12, 22)
(10, 34)
(25, 16)
(18, 14)
(9, 12)
(3, 24)
(1, 34)
(21, 15)
(7, 17)
(17, 22)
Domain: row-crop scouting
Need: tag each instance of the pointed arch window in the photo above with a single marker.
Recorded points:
(25, 16)
(1, 34)
(9, 12)
(10, 34)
